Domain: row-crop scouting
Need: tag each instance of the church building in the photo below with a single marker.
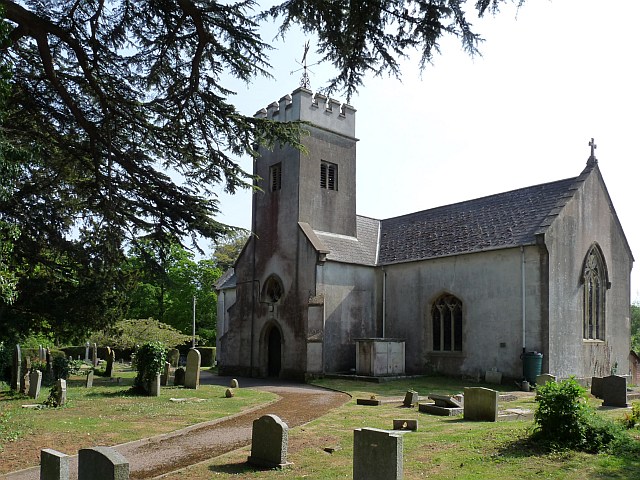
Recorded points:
(458, 290)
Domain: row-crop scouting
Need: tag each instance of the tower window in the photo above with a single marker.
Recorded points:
(275, 177)
(329, 176)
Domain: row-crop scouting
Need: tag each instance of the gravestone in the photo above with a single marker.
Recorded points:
(192, 375)
(53, 465)
(410, 398)
(614, 391)
(111, 358)
(405, 424)
(25, 383)
(178, 378)
(480, 404)
(89, 383)
(229, 393)
(16, 368)
(102, 463)
(86, 352)
(445, 405)
(48, 371)
(269, 442)
(234, 383)
(164, 378)
(154, 387)
(61, 392)
(377, 454)
(94, 355)
(493, 376)
(544, 379)
(596, 387)
(35, 381)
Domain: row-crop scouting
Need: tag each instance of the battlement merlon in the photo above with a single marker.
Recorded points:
(321, 111)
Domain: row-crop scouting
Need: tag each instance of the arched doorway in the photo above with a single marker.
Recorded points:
(274, 353)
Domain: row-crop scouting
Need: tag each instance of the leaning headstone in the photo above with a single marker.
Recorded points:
(61, 392)
(154, 387)
(377, 454)
(192, 375)
(614, 391)
(89, 383)
(35, 381)
(480, 404)
(234, 383)
(178, 378)
(53, 465)
(16, 368)
(102, 463)
(596, 387)
(164, 378)
(545, 378)
(269, 442)
(410, 398)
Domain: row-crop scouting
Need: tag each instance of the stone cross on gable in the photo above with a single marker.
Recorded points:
(592, 158)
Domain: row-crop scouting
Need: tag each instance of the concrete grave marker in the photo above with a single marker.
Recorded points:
(35, 381)
(269, 442)
(53, 465)
(192, 375)
(410, 398)
(614, 391)
(480, 404)
(89, 383)
(544, 378)
(102, 463)
(178, 379)
(377, 455)
(16, 368)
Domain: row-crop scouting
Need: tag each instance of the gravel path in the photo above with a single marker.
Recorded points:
(151, 457)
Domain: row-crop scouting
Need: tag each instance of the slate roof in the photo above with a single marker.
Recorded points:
(504, 220)
(361, 250)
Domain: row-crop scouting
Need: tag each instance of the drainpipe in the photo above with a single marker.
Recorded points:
(253, 266)
(384, 303)
(524, 312)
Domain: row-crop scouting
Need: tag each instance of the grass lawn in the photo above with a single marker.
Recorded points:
(107, 414)
(443, 447)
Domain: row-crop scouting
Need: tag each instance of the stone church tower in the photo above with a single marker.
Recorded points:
(301, 192)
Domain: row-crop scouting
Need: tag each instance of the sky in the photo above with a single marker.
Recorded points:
(552, 75)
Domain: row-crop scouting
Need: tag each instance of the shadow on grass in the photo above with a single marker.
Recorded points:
(234, 468)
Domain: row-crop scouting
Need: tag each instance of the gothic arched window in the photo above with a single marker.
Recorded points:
(594, 277)
(446, 316)
(273, 289)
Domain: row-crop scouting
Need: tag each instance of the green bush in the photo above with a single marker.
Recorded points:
(150, 359)
(564, 419)
(207, 356)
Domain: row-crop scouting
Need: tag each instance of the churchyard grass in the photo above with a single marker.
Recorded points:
(106, 414)
(442, 448)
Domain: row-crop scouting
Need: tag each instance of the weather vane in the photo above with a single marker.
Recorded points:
(304, 80)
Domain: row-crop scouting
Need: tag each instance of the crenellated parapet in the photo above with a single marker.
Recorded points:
(320, 110)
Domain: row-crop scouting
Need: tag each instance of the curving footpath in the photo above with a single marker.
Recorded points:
(155, 456)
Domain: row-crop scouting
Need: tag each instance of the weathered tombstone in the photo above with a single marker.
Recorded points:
(61, 392)
(544, 378)
(53, 465)
(48, 371)
(614, 391)
(154, 387)
(493, 376)
(179, 376)
(596, 387)
(164, 378)
(405, 424)
(89, 383)
(229, 393)
(16, 368)
(35, 381)
(41, 353)
(445, 405)
(94, 355)
(192, 375)
(111, 358)
(410, 398)
(377, 454)
(25, 383)
(480, 404)
(269, 442)
(86, 352)
(102, 463)
(234, 383)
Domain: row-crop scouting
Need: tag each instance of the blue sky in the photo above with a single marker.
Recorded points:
(551, 76)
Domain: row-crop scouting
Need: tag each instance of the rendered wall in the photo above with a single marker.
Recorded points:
(587, 218)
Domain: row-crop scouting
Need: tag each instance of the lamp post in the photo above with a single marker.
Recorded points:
(193, 331)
